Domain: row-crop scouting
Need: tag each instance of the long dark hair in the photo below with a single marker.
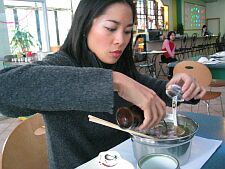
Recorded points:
(170, 33)
(75, 44)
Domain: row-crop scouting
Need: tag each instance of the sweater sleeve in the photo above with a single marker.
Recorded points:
(45, 86)
(159, 86)
(166, 45)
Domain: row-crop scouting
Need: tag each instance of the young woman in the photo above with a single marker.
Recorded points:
(205, 31)
(93, 73)
(169, 46)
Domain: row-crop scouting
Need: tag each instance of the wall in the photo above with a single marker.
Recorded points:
(171, 18)
(4, 42)
(174, 16)
(213, 10)
(220, 13)
(199, 2)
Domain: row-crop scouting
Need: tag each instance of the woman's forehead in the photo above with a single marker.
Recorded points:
(117, 12)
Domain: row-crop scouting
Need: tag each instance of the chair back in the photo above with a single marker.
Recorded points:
(23, 148)
(193, 40)
(195, 69)
(184, 41)
(54, 48)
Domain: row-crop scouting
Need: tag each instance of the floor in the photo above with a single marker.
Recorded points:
(8, 124)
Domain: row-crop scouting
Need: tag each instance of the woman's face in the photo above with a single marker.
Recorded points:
(111, 32)
(172, 36)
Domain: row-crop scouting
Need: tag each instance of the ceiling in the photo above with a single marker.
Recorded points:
(209, 1)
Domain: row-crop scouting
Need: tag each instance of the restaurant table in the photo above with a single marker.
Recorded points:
(152, 57)
(217, 69)
(210, 127)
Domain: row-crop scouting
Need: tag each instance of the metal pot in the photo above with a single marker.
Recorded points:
(180, 147)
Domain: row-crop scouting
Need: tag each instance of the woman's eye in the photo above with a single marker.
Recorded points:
(128, 31)
(110, 29)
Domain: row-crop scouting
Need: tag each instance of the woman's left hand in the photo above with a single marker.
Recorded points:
(190, 87)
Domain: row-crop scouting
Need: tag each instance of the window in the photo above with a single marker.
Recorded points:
(151, 15)
(30, 16)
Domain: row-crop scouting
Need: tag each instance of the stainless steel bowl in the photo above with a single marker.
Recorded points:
(180, 148)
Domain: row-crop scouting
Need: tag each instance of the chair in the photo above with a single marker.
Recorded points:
(203, 47)
(54, 48)
(161, 69)
(215, 83)
(183, 48)
(220, 44)
(210, 44)
(202, 74)
(25, 148)
(194, 48)
(141, 58)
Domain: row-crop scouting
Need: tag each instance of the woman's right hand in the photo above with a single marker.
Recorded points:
(146, 99)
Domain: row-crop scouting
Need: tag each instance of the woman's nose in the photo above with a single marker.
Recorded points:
(119, 38)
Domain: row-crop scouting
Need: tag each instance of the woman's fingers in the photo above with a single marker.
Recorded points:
(154, 114)
(190, 92)
(190, 87)
(143, 97)
(201, 93)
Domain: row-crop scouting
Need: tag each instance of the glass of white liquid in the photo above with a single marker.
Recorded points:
(158, 161)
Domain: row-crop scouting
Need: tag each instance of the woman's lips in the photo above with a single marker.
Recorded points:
(116, 54)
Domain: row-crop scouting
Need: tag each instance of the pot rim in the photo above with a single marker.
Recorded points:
(181, 139)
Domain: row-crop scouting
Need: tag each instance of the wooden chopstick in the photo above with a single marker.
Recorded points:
(112, 125)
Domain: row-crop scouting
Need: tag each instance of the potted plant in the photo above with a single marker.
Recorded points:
(22, 41)
(180, 29)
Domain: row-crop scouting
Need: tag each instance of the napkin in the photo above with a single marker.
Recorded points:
(205, 60)
(201, 150)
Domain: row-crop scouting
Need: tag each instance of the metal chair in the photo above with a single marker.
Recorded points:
(183, 51)
(193, 46)
(203, 75)
(140, 58)
(213, 95)
(25, 148)
(161, 69)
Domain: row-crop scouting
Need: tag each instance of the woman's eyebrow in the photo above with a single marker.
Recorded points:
(118, 23)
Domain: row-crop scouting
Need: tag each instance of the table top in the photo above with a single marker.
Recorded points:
(153, 52)
(211, 127)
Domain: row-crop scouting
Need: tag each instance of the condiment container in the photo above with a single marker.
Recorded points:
(128, 118)
(112, 160)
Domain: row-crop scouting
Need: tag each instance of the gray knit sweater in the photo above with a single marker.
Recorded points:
(65, 94)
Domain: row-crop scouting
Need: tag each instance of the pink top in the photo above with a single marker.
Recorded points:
(170, 47)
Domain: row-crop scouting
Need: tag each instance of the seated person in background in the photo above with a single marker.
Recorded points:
(205, 31)
(169, 46)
